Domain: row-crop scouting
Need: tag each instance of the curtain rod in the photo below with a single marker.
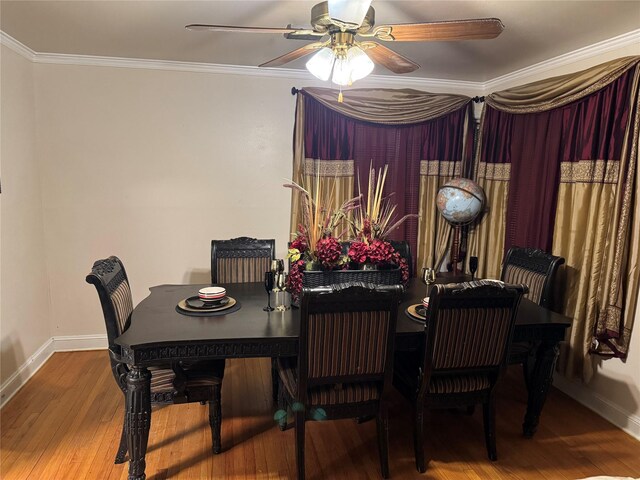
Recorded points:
(476, 99)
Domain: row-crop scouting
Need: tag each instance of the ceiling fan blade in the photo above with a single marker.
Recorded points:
(232, 28)
(388, 58)
(477, 29)
(293, 55)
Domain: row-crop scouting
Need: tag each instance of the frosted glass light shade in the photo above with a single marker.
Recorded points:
(342, 71)
(320, 64)
(351, 12)
(360, 63)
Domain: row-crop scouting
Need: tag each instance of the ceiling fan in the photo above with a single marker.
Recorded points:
(344, 55)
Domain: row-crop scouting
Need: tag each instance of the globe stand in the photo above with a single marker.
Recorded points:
(455, 248)
(459, 201)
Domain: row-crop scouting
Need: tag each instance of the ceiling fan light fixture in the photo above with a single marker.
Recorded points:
(341, 71)
(321, 63)
(360, 63)
(349, 12)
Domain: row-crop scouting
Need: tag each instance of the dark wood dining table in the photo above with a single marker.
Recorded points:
(159, 335)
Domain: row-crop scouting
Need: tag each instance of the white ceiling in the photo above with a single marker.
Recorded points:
(534, 31)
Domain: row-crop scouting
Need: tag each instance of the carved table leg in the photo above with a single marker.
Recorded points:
(539, 383)
(138, 419)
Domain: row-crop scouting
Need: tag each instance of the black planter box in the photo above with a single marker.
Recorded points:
(316, 278)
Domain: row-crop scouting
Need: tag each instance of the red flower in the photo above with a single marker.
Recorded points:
(294, 280)
(380, 252)
(300, 243)
(328, 251)
(365, 233)
(358, 252)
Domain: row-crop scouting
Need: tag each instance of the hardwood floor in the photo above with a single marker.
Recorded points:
(65, 423)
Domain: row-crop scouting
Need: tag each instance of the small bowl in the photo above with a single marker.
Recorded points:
(209, 294)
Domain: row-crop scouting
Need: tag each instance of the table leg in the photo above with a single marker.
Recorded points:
(539, 383)
(138, 419)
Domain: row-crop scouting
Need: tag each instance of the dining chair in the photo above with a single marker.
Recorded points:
(170, 383)
(538, 270)
(241, 259)
(345, 360)
(467, 334)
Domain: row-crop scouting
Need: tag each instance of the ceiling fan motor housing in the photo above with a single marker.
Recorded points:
(322, 22)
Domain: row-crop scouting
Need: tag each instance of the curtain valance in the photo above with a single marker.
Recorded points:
(389, 106)
(558, 91)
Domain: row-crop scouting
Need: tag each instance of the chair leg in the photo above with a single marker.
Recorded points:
(275, 381)
(299, 427)
(489, 419)
(122, 449)
(382, 426)
(526, 370)
(282, 405)
(215, 418)
(418, 437)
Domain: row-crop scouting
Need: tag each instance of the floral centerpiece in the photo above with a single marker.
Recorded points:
(365, 221)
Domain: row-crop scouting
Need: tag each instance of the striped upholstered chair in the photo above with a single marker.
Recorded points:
(536, 269)
(240, 260)
(467, 338)
(243, 260)
(345, 360)
(172, 383)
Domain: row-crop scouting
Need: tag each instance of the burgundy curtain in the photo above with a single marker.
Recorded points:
(535, 144)
(330, 135)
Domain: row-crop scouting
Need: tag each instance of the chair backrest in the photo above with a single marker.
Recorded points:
(111, 282)
(469, 328)
(347, 335)
(534, 268)
(241, 259)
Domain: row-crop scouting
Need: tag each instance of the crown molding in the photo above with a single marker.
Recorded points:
(19, 48)
(462, 86)
(625, 40)
(219, 69)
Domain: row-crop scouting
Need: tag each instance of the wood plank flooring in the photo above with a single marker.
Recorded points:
(65, 423)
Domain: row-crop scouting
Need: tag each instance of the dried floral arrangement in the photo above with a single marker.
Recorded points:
(364, 220)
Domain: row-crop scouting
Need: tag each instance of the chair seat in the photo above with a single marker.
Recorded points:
(334, 394)
(406, 371)
(162, 379)
(458, 384)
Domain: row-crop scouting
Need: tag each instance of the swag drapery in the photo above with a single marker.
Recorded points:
(558, 160)
(424, 139)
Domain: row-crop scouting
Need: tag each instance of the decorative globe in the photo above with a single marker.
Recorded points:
(460, 200)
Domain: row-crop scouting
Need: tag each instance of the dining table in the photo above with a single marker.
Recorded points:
(160, 334)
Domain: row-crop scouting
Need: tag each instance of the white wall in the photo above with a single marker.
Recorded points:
(25, 304)
(151, 166)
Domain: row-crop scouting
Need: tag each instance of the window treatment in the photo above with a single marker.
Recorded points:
(421, 136)
(558, 162)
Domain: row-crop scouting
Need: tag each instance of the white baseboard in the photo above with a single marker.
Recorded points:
(71, 343)
(621, 418)
(55, 344)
